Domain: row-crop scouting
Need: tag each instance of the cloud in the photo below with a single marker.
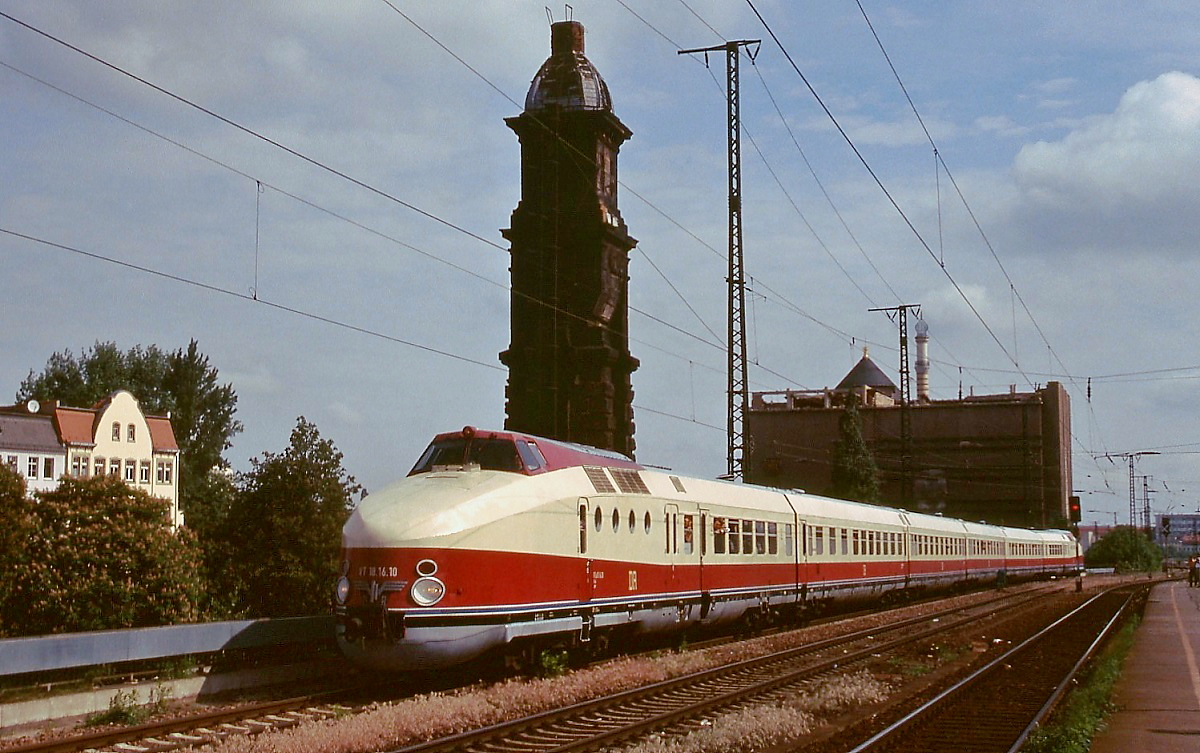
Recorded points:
(1121, 178)
(1055, 85)
(1001, 125)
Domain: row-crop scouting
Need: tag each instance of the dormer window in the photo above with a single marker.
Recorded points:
(116, 435)
(132, 433)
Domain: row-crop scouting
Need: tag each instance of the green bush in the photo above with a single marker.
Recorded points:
(1126, 549)
(98, 554)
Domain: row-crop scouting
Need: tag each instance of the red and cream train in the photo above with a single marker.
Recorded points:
(510, 542)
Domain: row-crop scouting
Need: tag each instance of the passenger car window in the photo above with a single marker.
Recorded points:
(718, 529)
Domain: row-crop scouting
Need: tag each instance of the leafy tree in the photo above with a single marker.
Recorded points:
(214, 497)
(201, 411)
(16, 525)
(100, 554)
(854, 474)
(1126, 549)
(285, 528)
(182, 383)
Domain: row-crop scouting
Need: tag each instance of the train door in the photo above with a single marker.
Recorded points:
(705, 599)
(793, 540)
(801, 557)
(905, 550)
(671, 540)
(587, 587)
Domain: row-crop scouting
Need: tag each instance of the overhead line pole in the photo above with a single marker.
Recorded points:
(1132, 457)
(899, 314)
(739, 395)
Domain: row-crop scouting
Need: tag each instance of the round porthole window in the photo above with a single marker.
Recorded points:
(647, 521)
(616, 520)
(599, 518)
(632, 522)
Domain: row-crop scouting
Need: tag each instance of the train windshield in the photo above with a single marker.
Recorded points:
(453, 454)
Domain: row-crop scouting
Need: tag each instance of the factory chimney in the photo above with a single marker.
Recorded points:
(922, 361)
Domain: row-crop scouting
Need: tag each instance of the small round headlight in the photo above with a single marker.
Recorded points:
(427, 567)
(342, 590)
(427, 591)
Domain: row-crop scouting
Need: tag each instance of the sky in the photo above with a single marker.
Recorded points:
(314, 191)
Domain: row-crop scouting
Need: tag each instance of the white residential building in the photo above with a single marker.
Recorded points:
(114, 437)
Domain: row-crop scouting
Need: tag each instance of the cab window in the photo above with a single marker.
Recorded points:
(488, 454)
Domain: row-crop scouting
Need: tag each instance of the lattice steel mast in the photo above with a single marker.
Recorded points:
(900, 313)
(739, 391)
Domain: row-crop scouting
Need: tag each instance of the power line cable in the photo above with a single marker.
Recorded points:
(251, 298)
(261, 184)
(252, 133)
(882, 187)
(939, 159)
(938, 363)
(247, 297)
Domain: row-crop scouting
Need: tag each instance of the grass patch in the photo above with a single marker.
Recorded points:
(909, 667)
(124, 709)
(1075, 724)
(553, 663)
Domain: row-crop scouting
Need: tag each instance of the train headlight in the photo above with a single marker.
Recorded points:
(342, 590)
(427, 591)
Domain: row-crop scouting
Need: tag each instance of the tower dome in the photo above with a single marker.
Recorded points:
(567, 79)
(867, 374)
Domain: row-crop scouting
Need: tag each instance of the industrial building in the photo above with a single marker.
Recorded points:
(1179, 534)
(1001, 458)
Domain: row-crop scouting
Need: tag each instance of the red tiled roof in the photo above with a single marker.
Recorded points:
(162, 436)
(75, 425)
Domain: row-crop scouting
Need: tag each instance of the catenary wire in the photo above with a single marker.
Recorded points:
(343, 218)
(320, 165)
(936, 362)
(250, 298)
(882, 187)
(970, 211)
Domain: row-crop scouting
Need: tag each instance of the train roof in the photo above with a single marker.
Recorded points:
(830, 507)
(558, 454)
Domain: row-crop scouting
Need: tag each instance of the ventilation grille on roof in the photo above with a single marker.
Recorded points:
(599, 480)
(629, 481)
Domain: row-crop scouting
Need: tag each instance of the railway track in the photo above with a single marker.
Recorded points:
(602, 721)
(193, 730)
(998, 705)
(675, 706)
